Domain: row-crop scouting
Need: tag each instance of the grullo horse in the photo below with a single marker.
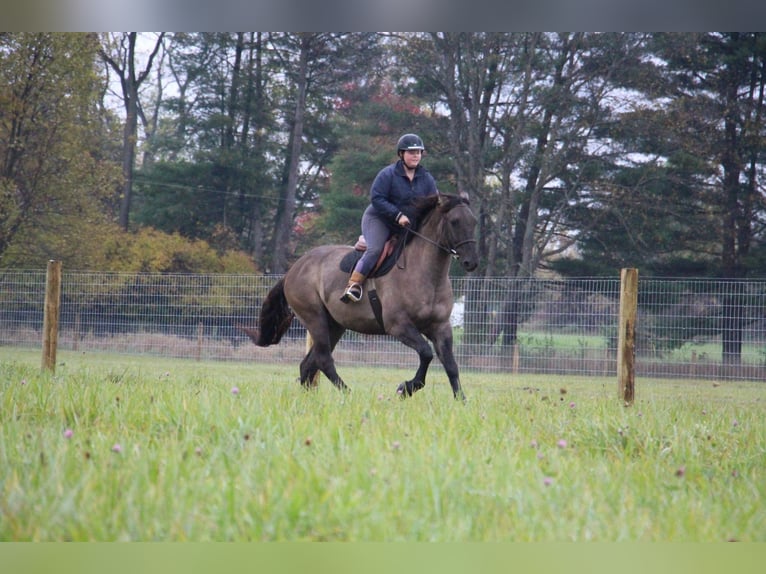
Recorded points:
(412, 302)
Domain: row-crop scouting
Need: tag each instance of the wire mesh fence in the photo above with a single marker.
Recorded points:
(685, 328)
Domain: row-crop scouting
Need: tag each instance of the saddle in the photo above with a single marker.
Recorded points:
(384, 264)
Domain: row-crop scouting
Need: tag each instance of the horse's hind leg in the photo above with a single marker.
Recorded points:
(326, 364)
(309, 370)
(319, 358)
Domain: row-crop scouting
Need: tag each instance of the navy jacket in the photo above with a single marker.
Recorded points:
(392, 192)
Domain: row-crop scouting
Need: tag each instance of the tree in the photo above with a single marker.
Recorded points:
(119, 53)
(687, 199)
(56, 167)
(213, 172)
(723, 78)
(370, 120)
(317, 66)
(305, 43)
(252, 130)
(524, 112)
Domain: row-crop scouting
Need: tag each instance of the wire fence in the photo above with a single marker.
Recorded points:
(686, 328)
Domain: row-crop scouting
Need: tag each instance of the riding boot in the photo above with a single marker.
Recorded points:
(353, 291)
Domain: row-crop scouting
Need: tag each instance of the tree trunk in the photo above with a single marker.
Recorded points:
(129, 135)
(286, 210)
(124, 65)
(732, 321)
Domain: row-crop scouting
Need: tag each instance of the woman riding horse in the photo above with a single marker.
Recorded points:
(413, 300)
(391, 199)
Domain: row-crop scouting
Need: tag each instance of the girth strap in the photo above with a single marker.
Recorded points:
(377, 308)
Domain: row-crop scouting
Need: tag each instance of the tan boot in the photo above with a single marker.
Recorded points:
(353, 290)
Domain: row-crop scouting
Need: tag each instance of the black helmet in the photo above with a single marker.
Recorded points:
(409, 141)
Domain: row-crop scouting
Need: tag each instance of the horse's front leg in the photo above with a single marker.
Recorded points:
(442, 340)
(411, 337)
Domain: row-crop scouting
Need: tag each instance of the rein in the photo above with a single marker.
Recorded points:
(451, 250)
(436, 243)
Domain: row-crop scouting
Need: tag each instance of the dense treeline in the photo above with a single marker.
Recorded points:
(582, 152)
(215, 152)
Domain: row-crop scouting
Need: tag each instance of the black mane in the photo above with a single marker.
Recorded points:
(423, 206)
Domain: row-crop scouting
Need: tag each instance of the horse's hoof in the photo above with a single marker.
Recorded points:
(401, 391)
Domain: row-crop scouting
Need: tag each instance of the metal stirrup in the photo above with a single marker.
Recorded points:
(353, 293)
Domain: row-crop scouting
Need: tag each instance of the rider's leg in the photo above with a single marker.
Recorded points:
(376, 233)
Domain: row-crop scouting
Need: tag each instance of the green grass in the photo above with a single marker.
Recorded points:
(165, 450)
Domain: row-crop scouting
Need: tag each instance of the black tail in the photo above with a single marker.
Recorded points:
(275, 318)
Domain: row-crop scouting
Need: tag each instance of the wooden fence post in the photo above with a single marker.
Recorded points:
(51, 315)
(626, 338)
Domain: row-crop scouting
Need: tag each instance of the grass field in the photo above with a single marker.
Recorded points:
(115, 448)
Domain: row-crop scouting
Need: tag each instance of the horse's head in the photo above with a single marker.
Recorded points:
(452, 225)
(458, 227)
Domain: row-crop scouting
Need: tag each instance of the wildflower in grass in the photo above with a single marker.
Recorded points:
(547, 481)
(23, 382)
(117, 448)
(562, 443)
(198, 451)
(308, 441)
(681, 471)
(68, 433)
(533, 443)
(571, 405)
(396, 445)
(735, 423)
(235, 390)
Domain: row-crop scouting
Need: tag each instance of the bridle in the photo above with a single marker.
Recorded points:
(451, 250)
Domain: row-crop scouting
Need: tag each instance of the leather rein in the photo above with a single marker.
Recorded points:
(451, 250)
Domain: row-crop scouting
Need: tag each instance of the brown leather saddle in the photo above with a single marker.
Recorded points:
(388, 257)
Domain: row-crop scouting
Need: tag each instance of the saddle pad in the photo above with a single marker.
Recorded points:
(390, 255)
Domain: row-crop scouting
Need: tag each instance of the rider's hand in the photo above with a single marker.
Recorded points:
(403, 220)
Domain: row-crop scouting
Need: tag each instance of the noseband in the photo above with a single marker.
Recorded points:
(454, 249)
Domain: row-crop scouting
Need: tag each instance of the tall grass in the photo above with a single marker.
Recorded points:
(115, 448)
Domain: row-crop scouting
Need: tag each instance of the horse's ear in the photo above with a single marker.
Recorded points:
(464, 196)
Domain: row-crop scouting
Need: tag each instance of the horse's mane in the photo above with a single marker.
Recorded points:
(424, 206)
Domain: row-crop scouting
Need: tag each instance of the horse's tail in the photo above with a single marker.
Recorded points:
(275, 317)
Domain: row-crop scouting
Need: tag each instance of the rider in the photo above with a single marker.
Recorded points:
(391, 198)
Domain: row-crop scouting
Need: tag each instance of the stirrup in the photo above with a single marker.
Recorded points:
(353, 293)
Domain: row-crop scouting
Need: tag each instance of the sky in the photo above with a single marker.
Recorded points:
(382, 15)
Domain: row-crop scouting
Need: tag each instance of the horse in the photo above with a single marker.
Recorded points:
(414, 299)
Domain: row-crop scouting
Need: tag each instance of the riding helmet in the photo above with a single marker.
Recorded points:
(409, 141)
